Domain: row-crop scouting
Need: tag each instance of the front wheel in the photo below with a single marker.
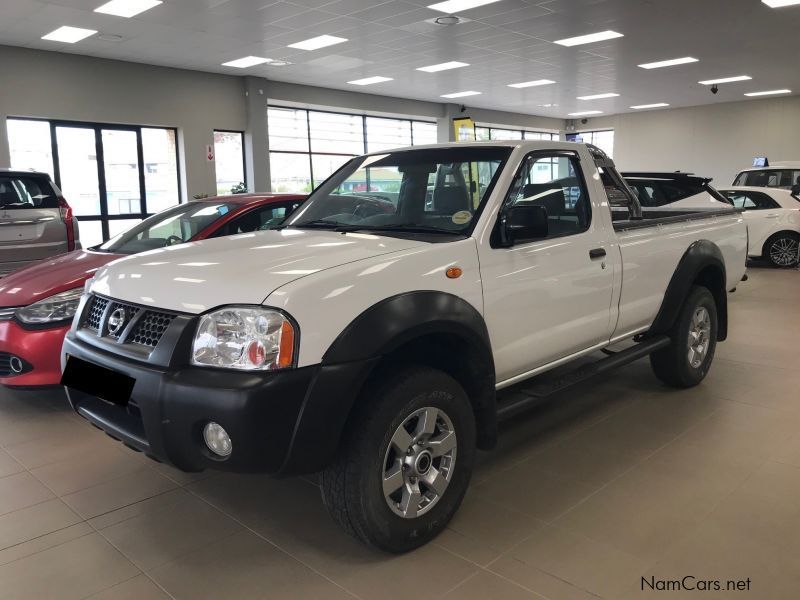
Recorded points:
(686, 361)
(782, 248)
(405, 462)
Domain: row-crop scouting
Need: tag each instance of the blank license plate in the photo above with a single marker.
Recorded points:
(98, 381)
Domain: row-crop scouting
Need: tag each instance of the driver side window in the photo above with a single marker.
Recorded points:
(554, 182)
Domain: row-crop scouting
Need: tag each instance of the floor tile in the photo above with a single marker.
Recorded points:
(87, 469)
(140, 587)
(20, 491)
(488, 585)
(35, 521)
(41, 543)
(9, 466)
(75, 569)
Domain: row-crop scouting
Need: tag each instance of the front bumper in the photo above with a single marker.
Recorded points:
(284, 422)
(38, 349)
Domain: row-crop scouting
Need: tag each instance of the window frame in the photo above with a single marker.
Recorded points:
(98, 126)
(495, 238)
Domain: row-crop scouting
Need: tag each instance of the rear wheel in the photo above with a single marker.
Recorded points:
(686, 361)
(782, 248)
(405, 462)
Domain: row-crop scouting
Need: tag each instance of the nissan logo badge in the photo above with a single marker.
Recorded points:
(116, 321)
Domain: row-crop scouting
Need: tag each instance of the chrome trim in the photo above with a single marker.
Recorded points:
(6, 314)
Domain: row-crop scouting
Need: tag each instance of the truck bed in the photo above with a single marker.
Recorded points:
(651, 218)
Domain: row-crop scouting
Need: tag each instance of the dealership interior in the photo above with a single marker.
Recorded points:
(616, 487)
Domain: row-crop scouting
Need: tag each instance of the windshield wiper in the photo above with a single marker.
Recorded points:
(315, 224)
(409, 227)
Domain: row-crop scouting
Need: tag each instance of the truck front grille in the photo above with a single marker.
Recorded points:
(94, 316)
(140, 326)
(151, 327)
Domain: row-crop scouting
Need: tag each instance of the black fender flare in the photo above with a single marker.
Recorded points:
(356, 353)
(702, 263)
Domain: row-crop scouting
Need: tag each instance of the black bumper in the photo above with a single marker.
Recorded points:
(281, 423)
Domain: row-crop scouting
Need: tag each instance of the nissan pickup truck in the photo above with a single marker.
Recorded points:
(383, 348)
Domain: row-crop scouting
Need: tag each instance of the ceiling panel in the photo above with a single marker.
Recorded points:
(504, 42)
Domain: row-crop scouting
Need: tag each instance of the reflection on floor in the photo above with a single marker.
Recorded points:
(613, 481)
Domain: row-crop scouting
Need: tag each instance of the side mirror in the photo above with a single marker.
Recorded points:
(524, 223)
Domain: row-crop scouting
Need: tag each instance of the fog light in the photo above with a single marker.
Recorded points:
(16, 365)
(217, 439)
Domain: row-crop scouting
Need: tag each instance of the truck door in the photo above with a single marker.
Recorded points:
(549, 298)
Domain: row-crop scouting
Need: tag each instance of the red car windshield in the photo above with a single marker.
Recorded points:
(172, 226)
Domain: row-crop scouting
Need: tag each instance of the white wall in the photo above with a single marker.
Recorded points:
(715, 140)
(66, 86)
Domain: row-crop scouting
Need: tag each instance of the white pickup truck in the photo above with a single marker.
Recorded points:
(404, 310)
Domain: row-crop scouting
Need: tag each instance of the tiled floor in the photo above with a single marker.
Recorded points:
(618, 479)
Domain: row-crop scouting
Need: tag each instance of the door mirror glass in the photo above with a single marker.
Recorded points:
(525, 223)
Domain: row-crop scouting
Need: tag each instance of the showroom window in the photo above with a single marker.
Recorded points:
(602, 139)
(229, 160)
(113, 176)
(484, 134)
(307, 146)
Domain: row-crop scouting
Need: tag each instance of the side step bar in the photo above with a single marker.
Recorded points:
(530, 395)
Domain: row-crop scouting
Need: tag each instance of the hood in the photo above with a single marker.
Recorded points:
(51, 276)
(240, 269)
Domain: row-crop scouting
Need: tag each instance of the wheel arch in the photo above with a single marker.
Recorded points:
(702, 264)
(783, 232)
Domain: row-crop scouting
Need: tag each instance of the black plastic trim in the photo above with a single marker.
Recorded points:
(652, 219)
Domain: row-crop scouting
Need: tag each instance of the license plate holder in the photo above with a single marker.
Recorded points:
(92, 379)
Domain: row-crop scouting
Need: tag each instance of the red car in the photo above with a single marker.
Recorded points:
(37, 303)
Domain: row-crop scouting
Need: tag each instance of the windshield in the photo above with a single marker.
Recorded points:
(440, 190)
(777, 178)
(172, 226)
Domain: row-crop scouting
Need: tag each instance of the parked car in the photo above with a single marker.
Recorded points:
(37, 303)
(773, 221)
(384, 349)
(35, 220)
(784, 175)
(674, 191)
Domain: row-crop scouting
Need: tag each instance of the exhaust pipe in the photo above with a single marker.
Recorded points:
(16, 365)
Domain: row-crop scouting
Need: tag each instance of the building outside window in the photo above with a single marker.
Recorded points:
(307, 146)
(113, 176)
(485, 134)
(602, 139)
(229, 160)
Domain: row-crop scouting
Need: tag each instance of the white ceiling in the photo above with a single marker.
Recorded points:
(505, 42)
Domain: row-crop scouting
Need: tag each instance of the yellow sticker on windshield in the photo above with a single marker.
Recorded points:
(462, 217)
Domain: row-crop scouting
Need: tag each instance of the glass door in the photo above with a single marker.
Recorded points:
(123, 177)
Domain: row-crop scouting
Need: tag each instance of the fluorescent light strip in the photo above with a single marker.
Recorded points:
(585, 113)
(370, 80)
(527, 84)
(671, 62)
(598, 96)
(725, 80)
(454, 6)
(589, 39)
(315, 43)
(770, 92)
(656, 105)
(453, 64)
(68, 35)
(247, 61)
(460, 94)
(780, 3)
(126, 8)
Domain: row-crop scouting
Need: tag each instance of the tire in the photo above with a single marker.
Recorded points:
(781, 249)
(374, 448)
(677, 365)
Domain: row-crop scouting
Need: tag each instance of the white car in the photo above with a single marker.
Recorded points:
(773, 222)
(784, 175)
(383, 348)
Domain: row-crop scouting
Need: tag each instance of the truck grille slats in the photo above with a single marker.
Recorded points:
(126, 323)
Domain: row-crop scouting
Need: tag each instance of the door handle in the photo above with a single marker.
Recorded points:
(597, 253)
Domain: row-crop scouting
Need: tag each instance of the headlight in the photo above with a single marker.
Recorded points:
(246, 338)
(60, 307)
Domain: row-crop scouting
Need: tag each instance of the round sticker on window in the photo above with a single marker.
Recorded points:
(462, 217)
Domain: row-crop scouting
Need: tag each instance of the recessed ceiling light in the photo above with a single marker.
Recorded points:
(278, 63)
(126, 8)
(247, 61)
(527, 84)
(770, 92)
(780, 3)
(453, 64)
(68, 35)
(454, 6)
(589, 39)
(110, 37)
(447, 20)
(585, 113)
(656, 105)
(460, 94)
(671, 62)
(725, 80)
(598, 96)
(370, 80)
(321, 41)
